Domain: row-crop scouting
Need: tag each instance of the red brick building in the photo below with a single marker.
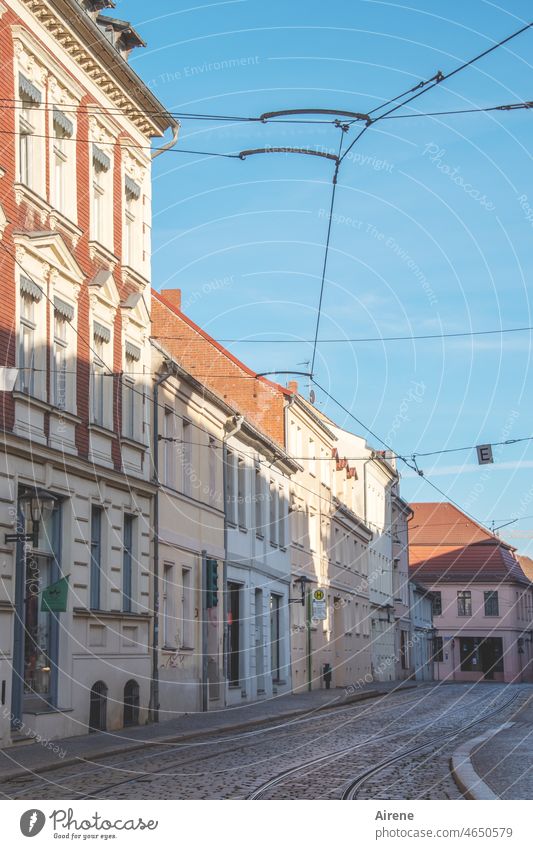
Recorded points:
(75, 219)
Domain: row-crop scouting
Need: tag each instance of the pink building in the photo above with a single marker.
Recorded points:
(482, 600)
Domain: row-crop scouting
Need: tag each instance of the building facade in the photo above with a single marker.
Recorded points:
(482, 600)
(248, 638)
(403, 599)
(376, 481)
(75, 216)
(422, 632)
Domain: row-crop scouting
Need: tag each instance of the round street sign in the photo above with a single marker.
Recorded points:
(319, 595)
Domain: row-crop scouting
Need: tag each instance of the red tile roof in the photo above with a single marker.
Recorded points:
(445, 545)
(442, 523)
(527, 565)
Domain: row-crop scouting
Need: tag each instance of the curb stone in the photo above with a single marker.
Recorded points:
(467, 779)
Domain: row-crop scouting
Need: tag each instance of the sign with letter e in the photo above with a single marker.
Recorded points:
(484, 454)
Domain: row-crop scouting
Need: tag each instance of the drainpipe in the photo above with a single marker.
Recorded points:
(170, 144)
(235, 424)
(154, 684)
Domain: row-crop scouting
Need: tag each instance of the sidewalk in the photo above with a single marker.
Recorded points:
(21, 758)
(505, 762)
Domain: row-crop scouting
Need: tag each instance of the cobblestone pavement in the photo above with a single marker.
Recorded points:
(311, 757)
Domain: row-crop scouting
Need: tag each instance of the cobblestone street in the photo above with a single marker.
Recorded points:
(316, 756)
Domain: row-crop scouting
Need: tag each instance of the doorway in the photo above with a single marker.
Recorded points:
(234, 633)
(98, 707)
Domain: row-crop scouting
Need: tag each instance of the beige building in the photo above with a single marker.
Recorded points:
(188, 530)
(376, 480)
(330, 553)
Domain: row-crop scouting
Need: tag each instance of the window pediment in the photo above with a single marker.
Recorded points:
(49, 248)
(134, 310)
(103, 289)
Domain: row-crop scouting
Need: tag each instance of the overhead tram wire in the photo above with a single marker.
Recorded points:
(424, 88)
(129, 146)
(439, 78)
(410, 463)
(365, 339)
(119, 378)
(326, 250)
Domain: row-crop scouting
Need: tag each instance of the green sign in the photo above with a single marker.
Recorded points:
(54, 597)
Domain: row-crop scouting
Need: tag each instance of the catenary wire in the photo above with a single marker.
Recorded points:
(326, 250)
(442, 77)
(362, 339)
(127, 146)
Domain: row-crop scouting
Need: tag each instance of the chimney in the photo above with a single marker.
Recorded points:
(292, 386)
(174, 296)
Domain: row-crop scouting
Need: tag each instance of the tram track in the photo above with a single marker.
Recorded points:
(359, 711)
(329, 759)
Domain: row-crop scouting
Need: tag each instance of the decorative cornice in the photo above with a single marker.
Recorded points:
(67, 32)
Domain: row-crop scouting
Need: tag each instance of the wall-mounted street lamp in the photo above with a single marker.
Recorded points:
(302, 580)
(36, 505)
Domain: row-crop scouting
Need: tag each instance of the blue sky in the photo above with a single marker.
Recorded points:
(431, 231)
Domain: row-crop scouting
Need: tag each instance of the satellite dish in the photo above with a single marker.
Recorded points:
(312, 396)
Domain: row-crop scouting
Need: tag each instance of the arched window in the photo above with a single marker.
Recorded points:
(131, 703)
(98, 707)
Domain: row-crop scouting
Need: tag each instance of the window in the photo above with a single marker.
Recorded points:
(27, 343)
(127, 564)
(132, 194)
(187, 640)
(230, 487)
(281, 518)
(129, 392)
(63, 130)
(273, 519)
(212, 455)
(404, 649)
(169, 448)
(186, 458)
(438, 655)
(258, 502)
(464, 603)
(437, 603)
(491, 603)
(59, 364)
(102, 337)
(26, 131)
(325, 468)
(482, 655)
(241, 492)
(275, 636)
(96, 558)
(167, 604)
(234, 634)
(311, 456)
(299, 443)
(337, 545)
(312, 531)
(101, 191)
